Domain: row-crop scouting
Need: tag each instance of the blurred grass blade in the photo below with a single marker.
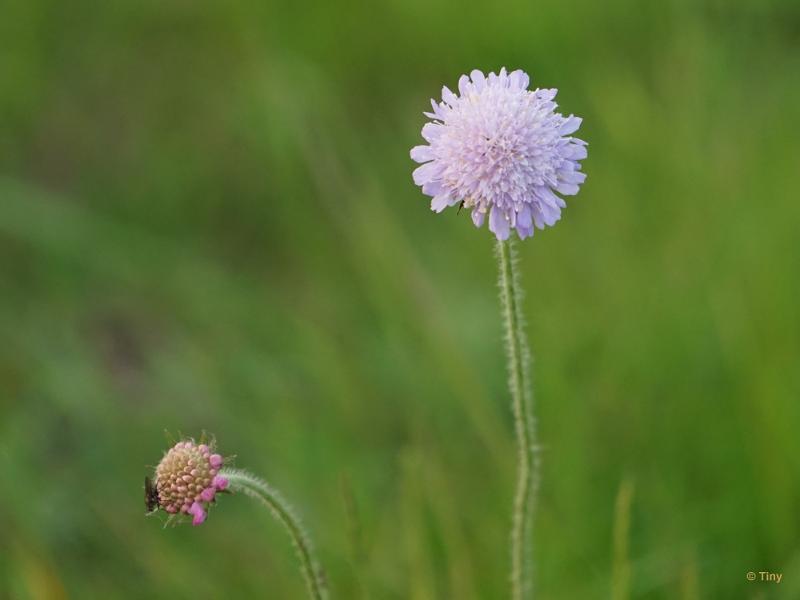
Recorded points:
(621, 568)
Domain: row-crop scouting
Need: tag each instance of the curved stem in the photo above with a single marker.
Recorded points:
(522, 401)
(242, 481)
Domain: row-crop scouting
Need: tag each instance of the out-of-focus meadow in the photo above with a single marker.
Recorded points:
(207, 221)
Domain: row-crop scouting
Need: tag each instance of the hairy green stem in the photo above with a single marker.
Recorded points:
(242, 481)
(522, 404)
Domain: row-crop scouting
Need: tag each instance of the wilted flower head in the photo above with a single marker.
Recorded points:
(186, 479)
(501, 150)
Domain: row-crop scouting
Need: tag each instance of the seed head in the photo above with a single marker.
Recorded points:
(187, 481)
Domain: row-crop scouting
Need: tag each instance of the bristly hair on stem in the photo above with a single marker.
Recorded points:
(246, 483)
(519, 382)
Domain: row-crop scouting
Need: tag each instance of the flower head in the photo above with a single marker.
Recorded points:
(187, 479)
(500, 149)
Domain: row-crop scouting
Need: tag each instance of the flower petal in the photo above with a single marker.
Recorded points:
(570, 125)
(519, 79)
(550, 215)
(574, 152)
(448, 96)
(498, 224)
(546, 94)
(479, 79)
(524, 218)
(422, 154)
(440, 202)
(463, 85)
(524, 232)
(576, 177)
(537, 217)
(432, 188)
(432, 131)
(425, 173)
(568, 189)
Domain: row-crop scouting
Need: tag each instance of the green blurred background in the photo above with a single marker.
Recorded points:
(207, 221)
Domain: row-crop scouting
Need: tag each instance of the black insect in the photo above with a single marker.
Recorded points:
(460, 206)
(150, 496)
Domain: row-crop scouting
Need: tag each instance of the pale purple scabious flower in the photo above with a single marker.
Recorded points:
(186, 479)
(500, 149)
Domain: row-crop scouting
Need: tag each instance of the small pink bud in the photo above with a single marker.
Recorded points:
(220, 482)
(215, 460)
(196, 510)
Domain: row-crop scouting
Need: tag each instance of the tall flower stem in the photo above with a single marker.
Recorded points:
(522, 404)
(244, 482)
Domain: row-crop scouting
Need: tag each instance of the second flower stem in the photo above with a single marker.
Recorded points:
(522, 400)
(244, 482)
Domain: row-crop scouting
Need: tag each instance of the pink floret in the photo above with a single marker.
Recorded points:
(197, 512)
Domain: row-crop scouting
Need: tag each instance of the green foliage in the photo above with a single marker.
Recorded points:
(207, 221)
